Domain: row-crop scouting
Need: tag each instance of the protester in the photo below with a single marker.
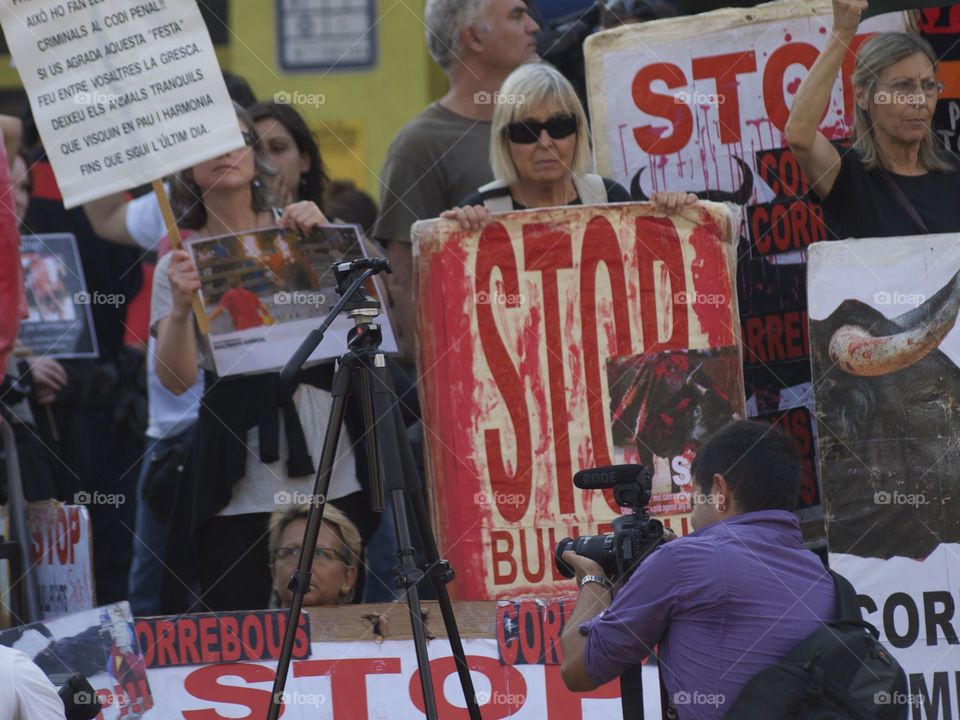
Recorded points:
(894, 180)
(27, 693)
(539, 150)
(440, 156)
(541, 155)
(339, 549)
(292, 150)
(239, 466)
(698, 596)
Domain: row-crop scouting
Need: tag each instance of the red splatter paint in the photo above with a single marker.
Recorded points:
(793, 85)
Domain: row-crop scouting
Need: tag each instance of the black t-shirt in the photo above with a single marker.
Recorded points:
(861, 206)
(615, 194)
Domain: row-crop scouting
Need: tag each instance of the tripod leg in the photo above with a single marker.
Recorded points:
(385, 411)
(300, 582)
(440, 574)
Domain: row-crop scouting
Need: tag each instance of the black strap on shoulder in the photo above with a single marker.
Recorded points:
(903, 201)
(847, 605)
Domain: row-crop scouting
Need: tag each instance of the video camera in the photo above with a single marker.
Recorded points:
(634, 536)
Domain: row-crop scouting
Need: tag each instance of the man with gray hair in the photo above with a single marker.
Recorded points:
(442, 155)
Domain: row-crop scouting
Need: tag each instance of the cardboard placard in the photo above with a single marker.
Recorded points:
(517, 325)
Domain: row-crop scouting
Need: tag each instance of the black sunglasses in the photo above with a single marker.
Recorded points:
(528, 131)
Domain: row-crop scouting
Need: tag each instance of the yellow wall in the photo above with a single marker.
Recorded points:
(362, 110)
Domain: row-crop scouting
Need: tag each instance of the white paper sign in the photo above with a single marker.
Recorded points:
(367, 681)
(60, 543)
(122, 93)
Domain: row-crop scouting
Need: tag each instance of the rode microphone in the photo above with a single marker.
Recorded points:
(601, 478)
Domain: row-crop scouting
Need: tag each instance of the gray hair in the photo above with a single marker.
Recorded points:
(535, 85)
(876, 55)
(445, 21)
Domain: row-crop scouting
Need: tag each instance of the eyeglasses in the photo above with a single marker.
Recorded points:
(526, 132)
(904, 88)
(321, 555)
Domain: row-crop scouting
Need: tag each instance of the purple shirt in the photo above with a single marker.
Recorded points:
(724, 603)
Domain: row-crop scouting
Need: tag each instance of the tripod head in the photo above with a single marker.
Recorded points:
(350, 276)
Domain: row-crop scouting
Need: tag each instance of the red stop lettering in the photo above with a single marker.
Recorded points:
(508, 689)
(650, 138)
(547, 249)
(204, 684)
(660, 260)
(496, 251)
(348, 680)
(600, 245)
(724, 70)
(780, 61)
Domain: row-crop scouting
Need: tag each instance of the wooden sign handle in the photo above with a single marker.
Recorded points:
(174, 234)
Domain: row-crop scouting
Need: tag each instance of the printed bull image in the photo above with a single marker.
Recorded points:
(888, 408)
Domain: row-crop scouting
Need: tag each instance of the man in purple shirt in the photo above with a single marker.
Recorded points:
(722, 603)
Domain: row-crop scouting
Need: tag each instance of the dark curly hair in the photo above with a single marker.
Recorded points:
(314, 181)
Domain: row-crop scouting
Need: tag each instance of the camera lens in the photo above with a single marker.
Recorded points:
(562, 568)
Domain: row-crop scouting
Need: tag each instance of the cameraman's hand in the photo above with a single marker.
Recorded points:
(669, 535)
(582, 565)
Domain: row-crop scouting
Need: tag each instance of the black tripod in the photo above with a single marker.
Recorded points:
(390, 462)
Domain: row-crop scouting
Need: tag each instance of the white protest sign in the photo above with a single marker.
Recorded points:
(122, 93)
(60, 543)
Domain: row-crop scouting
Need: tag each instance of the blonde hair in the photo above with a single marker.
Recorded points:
(532, 86)
(280, 520)
(876, 55)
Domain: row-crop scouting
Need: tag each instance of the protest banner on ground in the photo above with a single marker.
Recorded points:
(61, 553)
(59, 324)
(264, 291)
(699, 104)
(542, 333)
(344, 674)
(122, 94)
(99, 644)
(885, 359)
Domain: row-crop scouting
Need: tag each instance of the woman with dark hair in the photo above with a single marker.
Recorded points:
(240, 468)
(895, 179)
(292, 150)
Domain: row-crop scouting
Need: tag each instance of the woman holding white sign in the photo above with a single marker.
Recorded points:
(540, 153)
(240, 470)
(894, 179)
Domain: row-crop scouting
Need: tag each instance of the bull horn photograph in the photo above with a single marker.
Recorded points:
(857, 351)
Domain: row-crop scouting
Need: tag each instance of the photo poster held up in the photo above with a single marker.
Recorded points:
(886, 357)
(101, 645)
(59, 322)
(699, 104)
(539, 331)
(263, 291)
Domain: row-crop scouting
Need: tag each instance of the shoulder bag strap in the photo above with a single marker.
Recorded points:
(903, 201)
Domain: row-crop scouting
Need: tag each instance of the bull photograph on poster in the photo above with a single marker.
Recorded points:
(886, 369)
(538, 330)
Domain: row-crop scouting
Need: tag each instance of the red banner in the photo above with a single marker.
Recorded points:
(523, 327)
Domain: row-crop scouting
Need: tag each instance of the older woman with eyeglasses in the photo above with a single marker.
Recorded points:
(540, 153)
(333, 577)
(895, 180)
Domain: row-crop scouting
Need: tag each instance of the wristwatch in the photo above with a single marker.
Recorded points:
(599, 579)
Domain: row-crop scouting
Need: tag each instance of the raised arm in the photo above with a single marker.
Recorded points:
(176, 333)
(108, 216)
(12, 128)
(819, 159)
